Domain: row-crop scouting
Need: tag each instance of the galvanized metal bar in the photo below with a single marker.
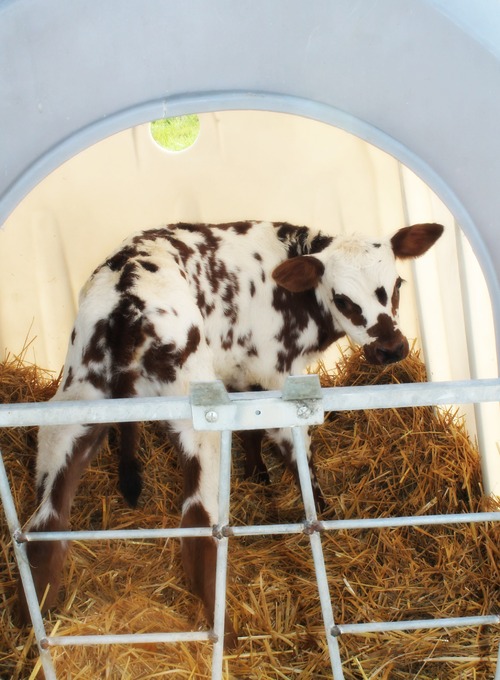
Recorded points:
(251, 412)
(258, 529)
(317, 550)
(411, 394)
(112, 534)
(25, 574)
(390, 626)
(127, 639)
(300, 450)
(95, 411)
(222, 554)
(376, 523)
(410, 521)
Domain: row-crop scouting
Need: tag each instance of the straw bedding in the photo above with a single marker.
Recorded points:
(378, 463)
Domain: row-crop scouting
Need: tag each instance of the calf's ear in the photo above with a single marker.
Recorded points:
(416, 240)
(299, 273)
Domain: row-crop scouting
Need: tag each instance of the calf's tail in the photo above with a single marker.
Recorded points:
(129, 467)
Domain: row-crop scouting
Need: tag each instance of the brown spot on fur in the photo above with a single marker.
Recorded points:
(210, 241)
(128, 277)
(158, 362)
(227, 341)
(395, 296)
(201, 301)
(244, 340)
(193, 340)
(191, 473)
(297, 311)
(319, 243)
(293, 237)
(119, 259)
(229, 298)
(95, 350)
(185, 251)
(152, 235)
(97, 380)
(163, 360)
(239, 227)
(123, 384)
(383, 329)
(381, 295)
(216, 272)
(69, 379)
(127, 330)
(298, 242)
(148, 266)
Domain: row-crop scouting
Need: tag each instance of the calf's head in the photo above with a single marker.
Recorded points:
(357, 280)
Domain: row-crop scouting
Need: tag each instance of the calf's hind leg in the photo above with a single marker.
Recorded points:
(64, 451)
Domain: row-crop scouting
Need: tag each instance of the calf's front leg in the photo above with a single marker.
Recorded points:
(255, 468)
(283, 441)
(199, 454)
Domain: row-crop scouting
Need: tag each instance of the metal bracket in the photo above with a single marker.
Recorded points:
(300, 403)
(210, 405)
(305, 391)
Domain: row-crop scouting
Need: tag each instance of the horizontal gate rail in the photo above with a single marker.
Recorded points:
(391, 626)
(211, 408)
(247, 411)
(258, 529)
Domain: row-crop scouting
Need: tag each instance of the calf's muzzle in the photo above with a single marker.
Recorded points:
(387, 352)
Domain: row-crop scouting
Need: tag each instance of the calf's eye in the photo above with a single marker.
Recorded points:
(345, 304)
(341, 302)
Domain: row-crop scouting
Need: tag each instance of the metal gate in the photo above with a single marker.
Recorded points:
(210, 407)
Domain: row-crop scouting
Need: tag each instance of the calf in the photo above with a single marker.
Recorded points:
(248, 303)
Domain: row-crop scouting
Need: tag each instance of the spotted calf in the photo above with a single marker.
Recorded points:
(248, 303)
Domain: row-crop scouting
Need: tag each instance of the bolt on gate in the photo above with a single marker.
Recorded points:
(301, 403)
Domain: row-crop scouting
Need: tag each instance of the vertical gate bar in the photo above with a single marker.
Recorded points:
(298, 434)
(222, 553)
(317, 552)
(21, 556)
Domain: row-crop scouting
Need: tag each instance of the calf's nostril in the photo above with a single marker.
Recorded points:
(382, 356)
(391, 355)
